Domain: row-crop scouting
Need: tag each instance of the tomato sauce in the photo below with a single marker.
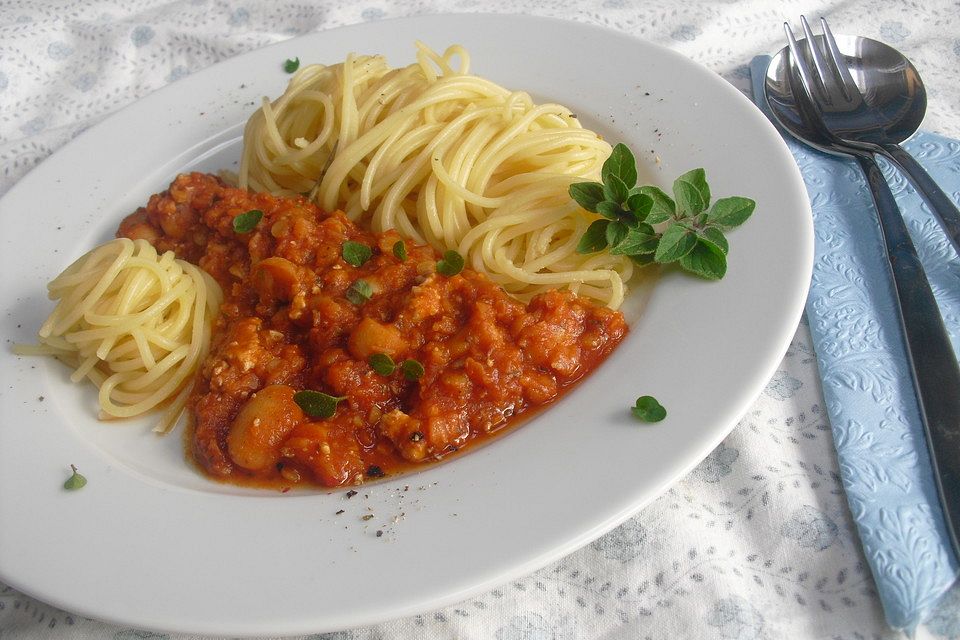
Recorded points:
(292, 321)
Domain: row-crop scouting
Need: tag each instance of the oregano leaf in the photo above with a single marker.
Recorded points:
(648, 409)
(594, 238)
(691, 192)
(705, 260)
(616, 232)
(587, 194)
(639, 241)
(643, 259)
(247, 221)
(317, 404)
(412, 370)
(730, 212)
(451, 264)
(382, 364)
(609, 210)
(615, 189)
(75, 481)
(359, 292)
(663, 207)
(621, 164)
(355, 253)
(716, 236)
(677, 241)
(640, 204)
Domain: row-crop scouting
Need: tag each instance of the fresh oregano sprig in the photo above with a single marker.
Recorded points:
(647, 225)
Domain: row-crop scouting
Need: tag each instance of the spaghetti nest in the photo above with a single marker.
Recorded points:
(135, 323)
(443, 157)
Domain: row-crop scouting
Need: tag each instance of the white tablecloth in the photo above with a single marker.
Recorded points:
(757, 542)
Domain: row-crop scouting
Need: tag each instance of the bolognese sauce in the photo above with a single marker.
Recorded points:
(292, 320)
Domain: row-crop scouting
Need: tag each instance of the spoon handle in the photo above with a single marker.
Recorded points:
(943, 207)
(934, 369)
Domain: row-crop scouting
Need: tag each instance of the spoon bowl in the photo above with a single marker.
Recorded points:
(894, 98)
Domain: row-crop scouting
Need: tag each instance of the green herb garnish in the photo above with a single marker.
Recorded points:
(247, 222)
(359, 292)
(291, 65)
(648, 409)
(356, 253)
(75, 481)
(317, 404)
(382, 364)
(451, 264)
(691, 232)
(400, 250)
(412, 370)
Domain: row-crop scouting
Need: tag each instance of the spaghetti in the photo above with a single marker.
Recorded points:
(134, 323)
(443, 157)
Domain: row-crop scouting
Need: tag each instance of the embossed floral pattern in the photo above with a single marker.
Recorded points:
(757, 542)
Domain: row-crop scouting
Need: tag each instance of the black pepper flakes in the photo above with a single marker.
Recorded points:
(351, 493)
(375, 472)
(379, 533)
(339, 512)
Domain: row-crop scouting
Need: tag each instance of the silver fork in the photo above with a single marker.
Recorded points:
(833, 82)
(933, 367)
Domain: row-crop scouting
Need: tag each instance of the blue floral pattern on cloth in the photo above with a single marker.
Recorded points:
(756, 542)
(736, 618)
(864, 369)
(810, 528)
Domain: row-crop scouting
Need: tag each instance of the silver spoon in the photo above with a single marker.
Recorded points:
(889, 109)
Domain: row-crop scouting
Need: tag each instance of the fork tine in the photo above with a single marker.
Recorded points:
(798, 62)
(849, 87)
(824, 74)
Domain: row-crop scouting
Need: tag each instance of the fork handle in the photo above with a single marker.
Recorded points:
(933, 366)
(943, 207)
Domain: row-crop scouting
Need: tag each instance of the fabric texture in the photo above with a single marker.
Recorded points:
(864, 366)
(756, 542)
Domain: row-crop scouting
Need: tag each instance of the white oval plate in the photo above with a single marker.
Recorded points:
(149, 542)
